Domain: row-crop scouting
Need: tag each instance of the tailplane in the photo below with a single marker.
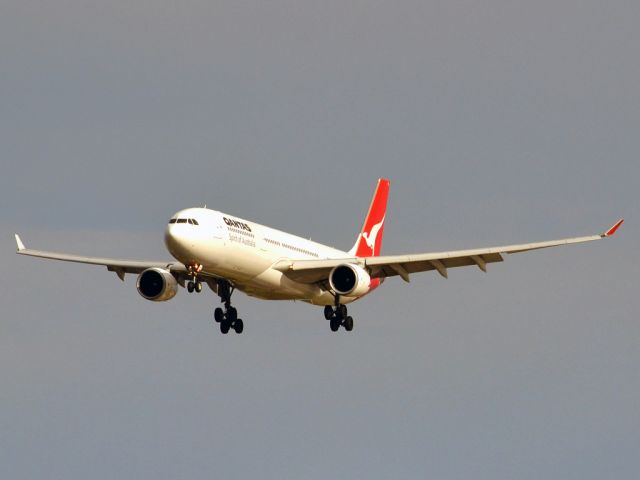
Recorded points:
(369, 240)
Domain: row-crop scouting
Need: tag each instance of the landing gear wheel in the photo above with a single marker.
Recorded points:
(348, 324)
(190, 287)
(227, 317)
(335, 324)
(238, 325)
(198, 287)
(342, 311)
(328, 312)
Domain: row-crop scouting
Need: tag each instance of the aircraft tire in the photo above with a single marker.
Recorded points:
(224, 327)
(335, 324)
(328, 312)
(218, 315)
(190, 287)
(238, 325)
(348, 324)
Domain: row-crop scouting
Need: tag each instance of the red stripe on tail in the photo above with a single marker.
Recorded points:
(369, 241)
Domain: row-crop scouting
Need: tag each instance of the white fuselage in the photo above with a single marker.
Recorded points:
(244, 253)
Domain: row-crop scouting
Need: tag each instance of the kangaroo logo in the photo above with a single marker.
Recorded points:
(371, 238)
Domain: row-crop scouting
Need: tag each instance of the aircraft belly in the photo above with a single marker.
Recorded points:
(237, 263)
(274, 285)
(326, 298)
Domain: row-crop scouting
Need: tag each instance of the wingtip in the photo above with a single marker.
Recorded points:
(613, 229)
(19, 243)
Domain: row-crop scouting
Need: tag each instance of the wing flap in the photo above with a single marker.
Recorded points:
(416, 265)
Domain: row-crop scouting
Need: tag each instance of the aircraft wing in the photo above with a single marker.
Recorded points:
(312, 271)
(119, 266)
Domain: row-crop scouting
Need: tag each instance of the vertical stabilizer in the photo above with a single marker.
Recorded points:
(369, 240)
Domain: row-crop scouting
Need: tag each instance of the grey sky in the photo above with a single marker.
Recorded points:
(497, 122)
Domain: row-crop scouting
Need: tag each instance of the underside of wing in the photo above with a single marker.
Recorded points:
(405, 265)
(314, 271)
(119, 266)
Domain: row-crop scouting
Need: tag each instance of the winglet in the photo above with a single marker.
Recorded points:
(613, 229)
(19, 243)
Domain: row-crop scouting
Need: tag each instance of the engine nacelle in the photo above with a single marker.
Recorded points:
(349, 279)
(157, 285)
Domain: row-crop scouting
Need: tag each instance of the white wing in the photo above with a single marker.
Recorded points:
(312, 271)
(119, 266)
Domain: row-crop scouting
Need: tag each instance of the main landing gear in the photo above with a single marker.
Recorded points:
(338, 316)
(227, 318)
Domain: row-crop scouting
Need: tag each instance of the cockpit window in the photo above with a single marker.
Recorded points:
(190, 221)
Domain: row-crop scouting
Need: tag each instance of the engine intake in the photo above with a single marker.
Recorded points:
(349, 279)
(157, 285)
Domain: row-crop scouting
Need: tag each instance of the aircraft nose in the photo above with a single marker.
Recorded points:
(175, 239)
(169, 235)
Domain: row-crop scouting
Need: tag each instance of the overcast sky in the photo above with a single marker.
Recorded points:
(496, 121)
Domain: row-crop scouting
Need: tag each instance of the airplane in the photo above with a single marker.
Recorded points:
(228, 253)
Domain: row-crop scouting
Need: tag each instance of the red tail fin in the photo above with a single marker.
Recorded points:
(369, 241)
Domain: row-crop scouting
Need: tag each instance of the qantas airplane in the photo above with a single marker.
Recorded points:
(229, 253)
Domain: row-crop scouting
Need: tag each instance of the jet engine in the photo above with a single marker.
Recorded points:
(157, 285)
(349, 279)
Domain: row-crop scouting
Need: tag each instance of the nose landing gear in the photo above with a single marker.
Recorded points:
(194, 285)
